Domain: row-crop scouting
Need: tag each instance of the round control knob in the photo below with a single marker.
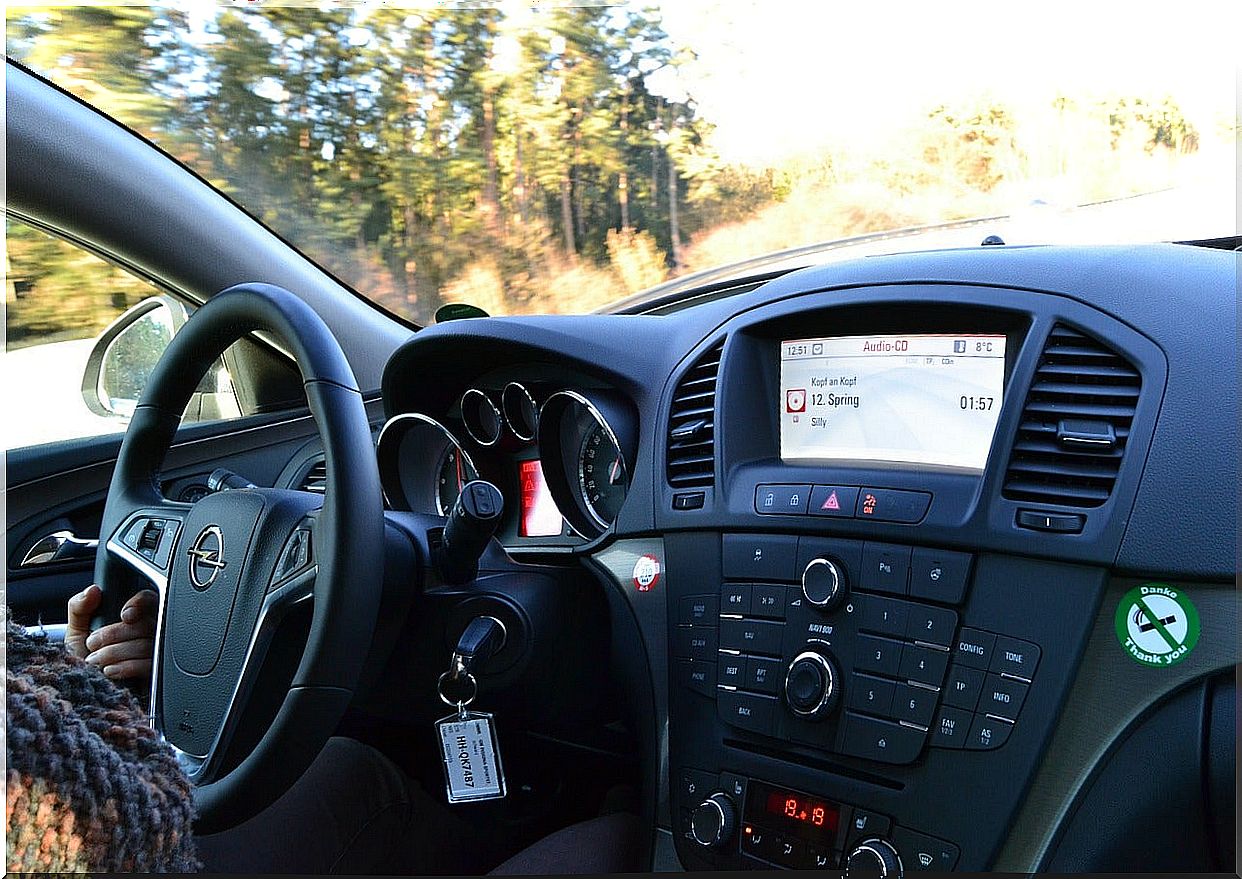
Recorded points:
(823, 583)
(873, 857)
(713, 821)
(811, 685)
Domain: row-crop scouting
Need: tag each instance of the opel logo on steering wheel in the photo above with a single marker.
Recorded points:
(206, 557)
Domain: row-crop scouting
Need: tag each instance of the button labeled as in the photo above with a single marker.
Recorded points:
(731, 670)
(697, 642)
(987, 733)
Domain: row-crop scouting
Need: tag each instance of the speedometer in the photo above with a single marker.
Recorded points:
(587, 444)
(601, 475)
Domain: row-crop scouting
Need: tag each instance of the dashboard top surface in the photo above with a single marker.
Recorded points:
(1161, 306)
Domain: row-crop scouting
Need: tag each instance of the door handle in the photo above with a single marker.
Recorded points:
(59, 546)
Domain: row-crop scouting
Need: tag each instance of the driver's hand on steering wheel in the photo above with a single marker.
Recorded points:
(122, 650)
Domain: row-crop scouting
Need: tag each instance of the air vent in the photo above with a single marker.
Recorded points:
(1075, 425)
(692, 424)
(316, 478)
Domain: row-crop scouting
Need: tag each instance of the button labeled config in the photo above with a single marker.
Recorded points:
(974, 648)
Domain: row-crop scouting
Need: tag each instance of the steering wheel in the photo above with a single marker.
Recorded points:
(230, 566)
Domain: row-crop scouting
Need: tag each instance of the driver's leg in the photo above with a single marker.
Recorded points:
(353, 811)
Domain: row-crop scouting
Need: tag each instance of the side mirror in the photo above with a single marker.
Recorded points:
(125, 354)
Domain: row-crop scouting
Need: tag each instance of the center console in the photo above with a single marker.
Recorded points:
(870, 637)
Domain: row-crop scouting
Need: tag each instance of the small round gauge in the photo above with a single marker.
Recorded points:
(455, 470)
(601, 475)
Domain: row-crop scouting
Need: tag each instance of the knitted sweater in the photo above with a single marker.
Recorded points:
(90, 786)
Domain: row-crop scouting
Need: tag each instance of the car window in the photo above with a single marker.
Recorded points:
(82, 336)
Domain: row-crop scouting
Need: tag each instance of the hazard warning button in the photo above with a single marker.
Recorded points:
(833, 500)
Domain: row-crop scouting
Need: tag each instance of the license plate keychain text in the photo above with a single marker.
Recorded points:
(468, 746)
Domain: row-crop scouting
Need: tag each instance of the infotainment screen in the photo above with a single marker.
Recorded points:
(920, 399)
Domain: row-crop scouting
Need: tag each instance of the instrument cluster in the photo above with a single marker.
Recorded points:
(561, 456)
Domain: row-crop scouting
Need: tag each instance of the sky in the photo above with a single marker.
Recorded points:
(778, 76)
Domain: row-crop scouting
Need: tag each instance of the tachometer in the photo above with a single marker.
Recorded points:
(601, 475)
(455, 470)
(422, 466)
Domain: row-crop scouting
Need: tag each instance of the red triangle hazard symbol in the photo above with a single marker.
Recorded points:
(832, 503)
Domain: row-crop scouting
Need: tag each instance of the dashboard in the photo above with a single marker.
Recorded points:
(880, 528)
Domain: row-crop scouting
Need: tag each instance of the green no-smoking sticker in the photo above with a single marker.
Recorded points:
(1157, 624)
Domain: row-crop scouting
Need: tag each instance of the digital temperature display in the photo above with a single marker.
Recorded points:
(793, 814)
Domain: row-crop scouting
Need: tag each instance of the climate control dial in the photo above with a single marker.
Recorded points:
(713, 821)
(873, 857)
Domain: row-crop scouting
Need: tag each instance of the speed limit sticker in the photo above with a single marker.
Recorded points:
(646, 573)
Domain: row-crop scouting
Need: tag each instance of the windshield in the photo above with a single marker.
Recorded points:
(552, 159)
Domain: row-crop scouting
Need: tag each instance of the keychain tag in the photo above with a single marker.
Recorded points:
(472, 769)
